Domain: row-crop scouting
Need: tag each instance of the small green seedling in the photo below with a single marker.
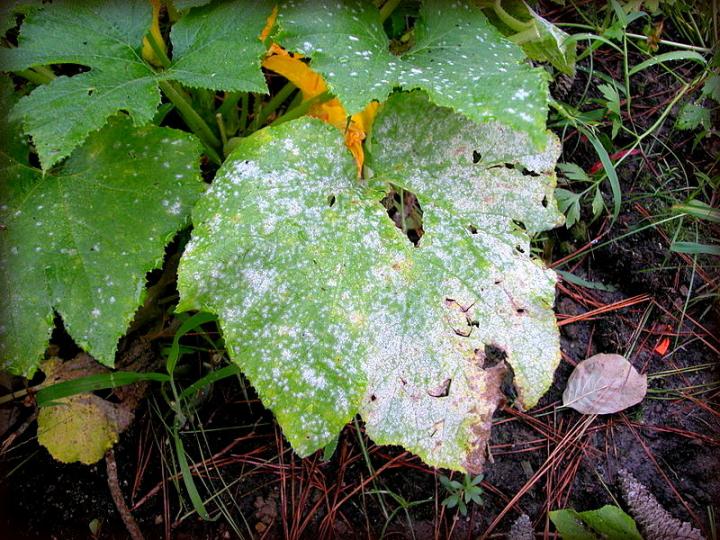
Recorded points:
(462, 494)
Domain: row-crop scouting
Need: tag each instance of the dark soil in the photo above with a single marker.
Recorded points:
(670, 442)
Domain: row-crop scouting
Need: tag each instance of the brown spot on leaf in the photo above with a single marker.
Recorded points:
(441, 390)
(490, 381)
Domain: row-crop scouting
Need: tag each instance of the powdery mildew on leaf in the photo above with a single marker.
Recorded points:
(459, 58)
(80, 242)
(469, 284)
(285, 251)
(215, 47)
(487, 180)
(330, 310)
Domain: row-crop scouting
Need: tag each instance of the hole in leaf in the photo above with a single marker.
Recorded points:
(473, 229)
(513, 166)
(405, 211)
(520, 311)
(477, 156)
(70, 69)
(493, 355)
(507, 386)
(373, 397)
(520, 249)
(331, 200)
(545, 202)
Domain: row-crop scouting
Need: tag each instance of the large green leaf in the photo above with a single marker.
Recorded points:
(459, 58)
(80, 242)
(216, 47)
(280, 261)
(105, 36)
(330, 310)
(488, 179)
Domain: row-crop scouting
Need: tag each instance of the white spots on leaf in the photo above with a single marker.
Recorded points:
(319, 302)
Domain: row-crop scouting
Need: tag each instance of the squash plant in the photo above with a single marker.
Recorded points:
(324, 303)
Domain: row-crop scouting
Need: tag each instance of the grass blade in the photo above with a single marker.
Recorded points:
(81, 385)
(697, 209)
(189, 325)
(609, 170)
(695, 248)
(667, 57)
(190, 486)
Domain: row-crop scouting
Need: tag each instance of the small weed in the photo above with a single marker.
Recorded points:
(462, 494)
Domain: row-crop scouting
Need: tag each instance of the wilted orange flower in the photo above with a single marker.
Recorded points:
(148, 53)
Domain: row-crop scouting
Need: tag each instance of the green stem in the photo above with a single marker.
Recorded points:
(159, 51)
(221, 128)
(675, 44)
(297, 100)
(229, 103)
(277, 100)
(509, 20)
(257, 111)
(302, 109)
(45, 72)
(33, 76)
(194, 121)
(626, 73)
(388, 8)
(244, 106)
(525, 36)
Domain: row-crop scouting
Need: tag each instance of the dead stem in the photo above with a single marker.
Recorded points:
(128, 519)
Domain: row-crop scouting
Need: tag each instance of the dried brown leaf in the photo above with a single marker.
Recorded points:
(604, 384)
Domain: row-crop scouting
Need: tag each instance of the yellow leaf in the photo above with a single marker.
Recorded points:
(311, 85)
(148, 53)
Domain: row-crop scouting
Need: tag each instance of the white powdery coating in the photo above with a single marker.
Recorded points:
(330, 310)
(481, 170)
(81, 239)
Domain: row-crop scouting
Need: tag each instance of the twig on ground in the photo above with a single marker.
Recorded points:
(130, 524)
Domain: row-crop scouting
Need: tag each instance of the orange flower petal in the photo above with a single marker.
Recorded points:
(269, 25)
(311, 84)
(297, 72)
